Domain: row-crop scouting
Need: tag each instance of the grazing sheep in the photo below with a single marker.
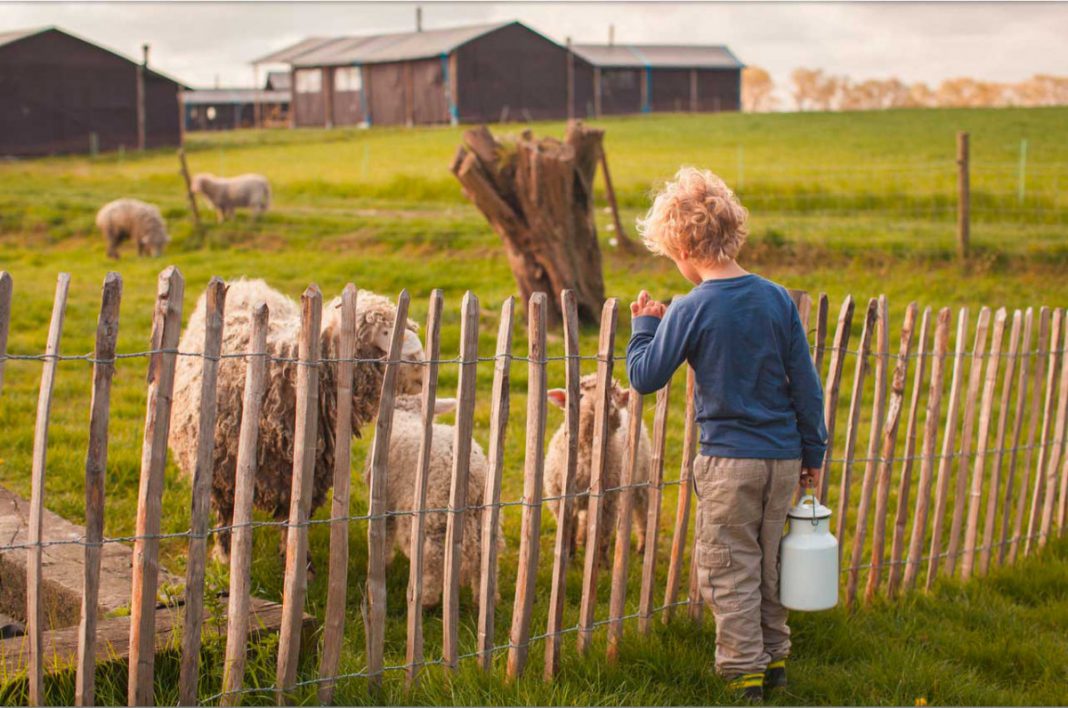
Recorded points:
(400, 496)
(125, 219)
(375, 316)
(229, 193)
(556, 457)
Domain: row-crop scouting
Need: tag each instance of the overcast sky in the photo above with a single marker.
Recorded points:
(199, 41)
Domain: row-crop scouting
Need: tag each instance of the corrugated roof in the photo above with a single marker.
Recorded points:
(198, 97)
(378, 48)
(658, 55)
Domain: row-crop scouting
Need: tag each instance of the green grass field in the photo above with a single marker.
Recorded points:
(856, 204)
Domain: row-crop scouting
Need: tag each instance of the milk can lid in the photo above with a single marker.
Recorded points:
(808, 507)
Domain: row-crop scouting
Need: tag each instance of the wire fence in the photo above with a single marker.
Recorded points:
(989, 447)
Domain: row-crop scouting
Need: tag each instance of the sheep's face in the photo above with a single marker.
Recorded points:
(196, 185)
(375, 328)
(587, 407)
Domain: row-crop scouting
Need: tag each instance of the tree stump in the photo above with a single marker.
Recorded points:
(538, 196)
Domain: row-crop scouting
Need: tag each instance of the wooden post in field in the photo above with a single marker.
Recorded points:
(244, 489)
(34, 611)
(964, 197)
(1058, 438)
(624, 511)
(5, 320)
(194, 210)
(375, 615)
(305, 434)
(975, 376)
(603, 394)
(975, 491)
(166, 326)
(624, 241)
(107, 331)
(652, 522)
(682, 509)
(414, 647)
(338, 568)
(189, 672)
(904, 488)
(1007, 547)
(867, 488)
(945, 464)
(562, 543)
(141, 112)
(1053, 361)
(491, 496)
(834, 382)
(461, 464)
(885, 466)
(930, 435)
(533, 473)
(821, 333)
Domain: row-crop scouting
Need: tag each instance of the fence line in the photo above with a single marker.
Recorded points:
(983, 494)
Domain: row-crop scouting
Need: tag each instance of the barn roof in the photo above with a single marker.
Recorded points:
(378, 48)
(16, 35)
(204, 97)
(681, 56)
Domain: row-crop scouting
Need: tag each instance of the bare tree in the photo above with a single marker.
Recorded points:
(757, 90)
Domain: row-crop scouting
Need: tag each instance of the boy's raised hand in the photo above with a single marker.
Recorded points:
(646, 305)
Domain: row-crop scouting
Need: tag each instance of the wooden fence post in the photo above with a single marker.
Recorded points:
(967, 426)
(624, 510)
(189, 672)
(930, 435)
(964, 196)
(305, 433)
(821, 333)
(1053, 361)
(491, 496)
(1042, 359)
(461, 464)
(885, 468)
(533, 474)
(682, 509)
(975, 492)
(6, 288)
(338, 565)
(904, 489)
(834, 382)
(166, 326)
(34, 611)
(1006, 549)
(603, 394)
(244, 490)
(107, 331)
(624, 241)
(375, 615)
(414, 646)
(189, 189)
(652, 522)
(562, 543)
(1058, 439)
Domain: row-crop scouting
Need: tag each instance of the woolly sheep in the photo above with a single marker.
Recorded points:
(400, 487)
(229, 193)
(556, 457)
(374, 321)
(125, 219)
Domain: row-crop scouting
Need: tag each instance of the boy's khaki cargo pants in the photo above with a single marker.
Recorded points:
(741, 512)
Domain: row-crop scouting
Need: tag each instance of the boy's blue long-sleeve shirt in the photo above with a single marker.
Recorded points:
(757, 394)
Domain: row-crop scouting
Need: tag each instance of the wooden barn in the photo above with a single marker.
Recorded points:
(233, 108)
(63, 94)
(613, 79)
(466, 74)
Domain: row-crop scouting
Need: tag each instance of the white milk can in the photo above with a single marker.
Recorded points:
(809, 559)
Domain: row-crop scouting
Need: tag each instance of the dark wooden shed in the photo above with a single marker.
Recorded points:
(469, 74)
(63, 94)
(613, 79)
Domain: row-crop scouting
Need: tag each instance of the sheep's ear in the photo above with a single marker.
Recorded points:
(444, 405)
(621, 396)
(558, 397)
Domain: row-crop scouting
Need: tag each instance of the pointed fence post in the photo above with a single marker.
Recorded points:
(624, 511)
(1053, 361)
(652, 522)
(834, 381)
(6, 288)
(1007, 547)
(682, 508)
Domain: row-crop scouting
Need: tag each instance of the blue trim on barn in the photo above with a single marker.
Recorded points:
(454, 113)
(364, 107)
(647, 106)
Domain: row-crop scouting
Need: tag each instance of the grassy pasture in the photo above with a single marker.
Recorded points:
(842, 203)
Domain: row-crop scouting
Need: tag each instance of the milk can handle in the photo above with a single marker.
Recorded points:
(811, 498)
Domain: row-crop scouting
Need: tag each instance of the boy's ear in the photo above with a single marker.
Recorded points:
(558, 397)
(444, 405)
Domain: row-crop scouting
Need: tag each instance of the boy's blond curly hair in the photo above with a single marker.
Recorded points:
(698, 213)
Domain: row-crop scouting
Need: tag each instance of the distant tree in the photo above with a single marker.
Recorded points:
(757, 90)
(920, 96)
(804, 85)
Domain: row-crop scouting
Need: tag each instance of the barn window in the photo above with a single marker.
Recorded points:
(348, 78)
(620, 80)
(309, 81)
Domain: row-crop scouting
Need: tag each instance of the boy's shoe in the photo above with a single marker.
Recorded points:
(775, 676)
(749, 687)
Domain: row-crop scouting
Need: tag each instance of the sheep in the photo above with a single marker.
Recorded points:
(124, 219)
(374, 321)
(400, 486)
(556, 457)
(229, 193)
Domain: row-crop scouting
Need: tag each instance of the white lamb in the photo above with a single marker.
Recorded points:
(400, 495)
(556, 457)
(226, 194)
(125, 219)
